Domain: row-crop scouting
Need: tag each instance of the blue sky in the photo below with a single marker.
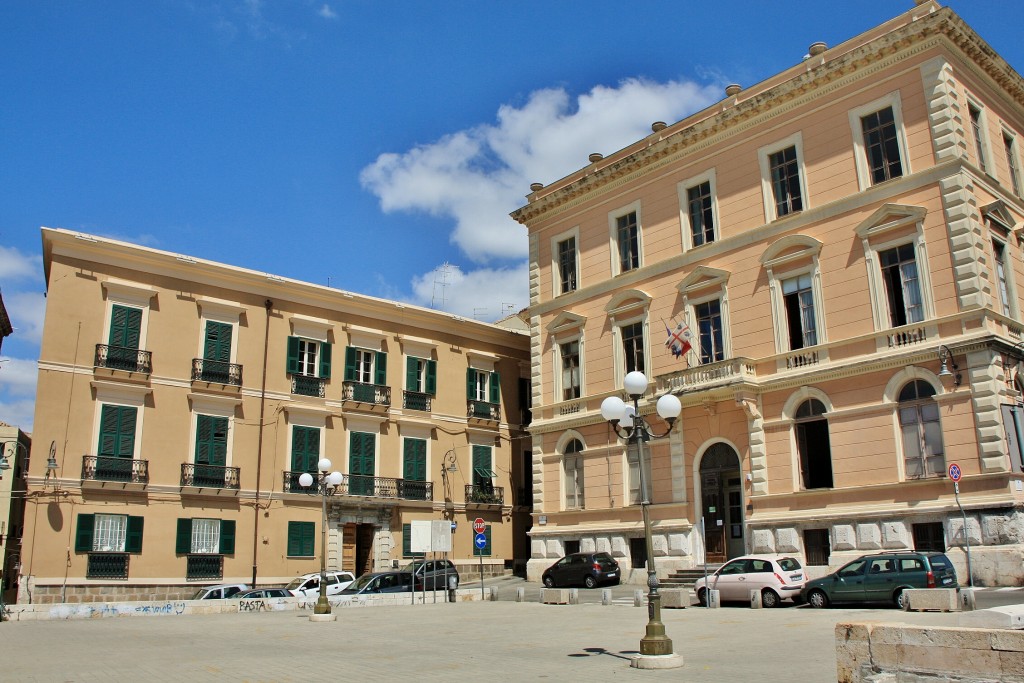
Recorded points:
(359, 144)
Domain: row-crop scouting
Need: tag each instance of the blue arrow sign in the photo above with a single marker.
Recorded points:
(480, 541)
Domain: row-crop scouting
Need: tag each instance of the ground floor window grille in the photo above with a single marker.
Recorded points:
(817, 547)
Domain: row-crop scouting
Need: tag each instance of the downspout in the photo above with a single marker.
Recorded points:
(268, 304)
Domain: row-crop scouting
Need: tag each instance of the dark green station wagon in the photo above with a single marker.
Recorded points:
(881, 578)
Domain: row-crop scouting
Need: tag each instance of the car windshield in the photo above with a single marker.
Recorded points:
(855, 568)
(412, 566)
(360, 583)
(939, 562)
(199, 594)
(295, 583)
(604, 559)
(789, 564)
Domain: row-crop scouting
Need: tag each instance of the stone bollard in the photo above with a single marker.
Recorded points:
(520, 594)
(574, 596)
(606, 596)
(714, 599)
(755, 599)
(492, 593)
(638, 598)
(967, 602)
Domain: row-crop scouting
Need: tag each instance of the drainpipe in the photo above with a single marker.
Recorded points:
(268, 304)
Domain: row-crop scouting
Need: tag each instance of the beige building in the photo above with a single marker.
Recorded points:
(840, 247)
(14, 449)
(183, 398)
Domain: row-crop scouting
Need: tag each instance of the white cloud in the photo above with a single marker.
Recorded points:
(477, 176)
(18, 414)
(327, 13)
(18, 377)
(15, 265)
(485, 294)
(26, 311)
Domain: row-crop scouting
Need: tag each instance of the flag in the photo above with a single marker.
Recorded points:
(678, 341)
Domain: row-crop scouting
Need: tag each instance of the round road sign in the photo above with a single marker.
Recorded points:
(954, 472)
(480, 541)
(479, 526)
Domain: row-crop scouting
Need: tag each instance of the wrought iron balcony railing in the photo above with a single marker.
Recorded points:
(107, 566)
(362, 485)
(485, 494)
(484, 410)
(204, 566)
(209, 476)
(415, 400)
(123, 358)
(303, 385)
(109, 468)
(204, 370)
(378, 394)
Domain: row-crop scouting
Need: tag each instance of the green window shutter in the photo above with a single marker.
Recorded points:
(301, 539)
(361, 456)
(412, 378)
(211, 440)
(125, 326)
(126, 441)
(133, 535)
(217, 345)
(83, 534)
(381, 368)
(117, 431)
(305, 449)
(108, 430)
(486, 550)
(495, 388)
(470, 384)
(291, 365)
(183, 539)
(481, 465)
(350, 363)
(407, 542)
(431, 377)
(414, 466)
(325, 360)
(227, 537)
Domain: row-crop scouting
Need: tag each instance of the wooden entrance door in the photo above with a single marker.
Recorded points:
(714, 518)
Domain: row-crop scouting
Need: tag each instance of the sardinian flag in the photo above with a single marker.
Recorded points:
(678, 341)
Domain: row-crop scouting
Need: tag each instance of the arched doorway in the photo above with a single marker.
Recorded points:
(721, 495)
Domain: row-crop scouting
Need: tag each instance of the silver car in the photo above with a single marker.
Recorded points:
(777, 577)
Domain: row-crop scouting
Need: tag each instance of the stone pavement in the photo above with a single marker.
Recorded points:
(505, 641)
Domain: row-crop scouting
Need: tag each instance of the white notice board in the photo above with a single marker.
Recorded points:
(430, 536)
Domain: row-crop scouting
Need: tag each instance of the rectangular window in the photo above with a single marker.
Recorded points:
(205, 537)
(574, 482)
(929, 537)
(1010, 145)
(308, 358)
(572, 547)
(109, 534)
(483, 386)
(902, 285)
(999, 251)
(817, 547)
(365, 366)
(628, 236)
(211, 440)
(1013, 428)
(117, 431)
(638, 552)
(483, 476)
(414, 459)
(881, 145)
(709, 330)
(301, 539)
(305, 449)
(633, 347)
(570, 354)
(702, 219)
(784, 168)
(125, 329)
(421, 375)
(567, 265)
(798, 298)
(486, 550)
(977, 129)
(361, 463)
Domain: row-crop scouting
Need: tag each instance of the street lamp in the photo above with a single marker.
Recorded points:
(631, 426)
(326, 484)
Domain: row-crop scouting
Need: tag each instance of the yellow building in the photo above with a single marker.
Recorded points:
(14, 449)
(183, 398)
(840, 245)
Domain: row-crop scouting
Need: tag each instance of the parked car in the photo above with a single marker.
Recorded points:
(308, 585)
(589, 569)
(380, 582)
(264, 593)
(881, 578)
(433, 574)
(778, 578)
(219, 592)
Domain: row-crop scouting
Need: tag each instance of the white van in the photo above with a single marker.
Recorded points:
(308, 585)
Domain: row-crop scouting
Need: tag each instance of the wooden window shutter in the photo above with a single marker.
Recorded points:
(470, 384)
(431, 387)
(83, 534)
(350, 363)
(411, 375)
(227, 537)
(381, 368)
(495, 388)
(292, 363)
(325, 360)
(133, 535)
(183, 539)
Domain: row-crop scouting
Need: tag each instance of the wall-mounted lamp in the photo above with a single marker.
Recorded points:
(946, 361)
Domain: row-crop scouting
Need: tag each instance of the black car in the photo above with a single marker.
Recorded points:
(433, 574)
(588, 569)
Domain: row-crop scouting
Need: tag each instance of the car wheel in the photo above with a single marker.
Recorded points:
(549, 582)
(817, 598)
(589, 581)
(769, 598)
(900, 599)
(702, 597)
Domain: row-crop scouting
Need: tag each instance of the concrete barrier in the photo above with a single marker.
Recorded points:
(606, 596)
(574, 596)
(554, 596)
(967, 602)
(933, 599)
(520, 594)
(714, 599)
(676, 598)
(755, 599)
(1004, 617)
(638, 598)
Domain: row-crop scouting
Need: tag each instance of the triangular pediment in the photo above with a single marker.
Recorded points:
(790, 248)
(627, 301)
(703, 277)
(566, 321)
(890, 217)
(999, 215)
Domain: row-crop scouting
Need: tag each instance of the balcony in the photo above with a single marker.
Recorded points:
(361, 485)
(102, 470)
(202, 476)
(303, 385)
(202, 567)
(414, 400)
(482, 410)
(123, 358)
(217, 372)
(374, 394)
(708, 376)
(107, 566)
(485, 494)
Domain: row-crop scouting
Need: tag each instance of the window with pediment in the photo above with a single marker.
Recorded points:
(706, 312)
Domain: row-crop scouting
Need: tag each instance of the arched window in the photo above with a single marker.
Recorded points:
(923, 453)
(573, 462)
(812, 442)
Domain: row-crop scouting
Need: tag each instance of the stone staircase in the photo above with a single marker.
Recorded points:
(685, 578)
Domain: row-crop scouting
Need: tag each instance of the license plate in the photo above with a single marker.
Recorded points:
(612, 575)
(947, 580)
(796, 577)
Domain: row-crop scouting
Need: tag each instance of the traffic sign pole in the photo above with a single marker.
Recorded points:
(955, 473)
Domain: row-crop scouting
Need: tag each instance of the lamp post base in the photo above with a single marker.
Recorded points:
(656, 645)
(322, 606)
(672, 661)
(323, 617)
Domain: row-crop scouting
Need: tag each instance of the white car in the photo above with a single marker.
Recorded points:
(308, 585)
(777, 577)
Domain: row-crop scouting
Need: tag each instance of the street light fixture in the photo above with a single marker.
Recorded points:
(630, 425)
(326, 485)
